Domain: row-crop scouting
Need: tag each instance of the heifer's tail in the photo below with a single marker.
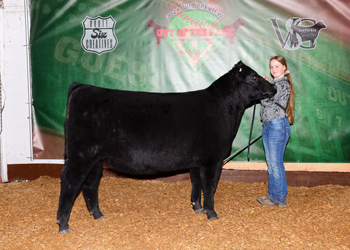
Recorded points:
(71, 89)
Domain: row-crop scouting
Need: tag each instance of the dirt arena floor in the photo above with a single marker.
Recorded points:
(157, 215)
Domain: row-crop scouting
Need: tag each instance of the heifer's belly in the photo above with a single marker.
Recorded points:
(148, 163)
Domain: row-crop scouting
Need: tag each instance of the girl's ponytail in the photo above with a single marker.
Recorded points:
(290, 106)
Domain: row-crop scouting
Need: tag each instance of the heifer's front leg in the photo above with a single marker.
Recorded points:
(90, 191)
(196, 190)
(71, 181)
(210, 177)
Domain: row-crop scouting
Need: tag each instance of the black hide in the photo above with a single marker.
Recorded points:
(147, 133)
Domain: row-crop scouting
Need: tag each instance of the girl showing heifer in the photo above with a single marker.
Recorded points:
(277, 113)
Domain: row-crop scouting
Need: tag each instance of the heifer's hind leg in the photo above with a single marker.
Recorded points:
(210, 177)
(196, 190)
(90, 191)
(71, 182)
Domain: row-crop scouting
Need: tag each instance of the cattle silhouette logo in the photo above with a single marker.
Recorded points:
(99, 35)
(302, 32)
(195, 30)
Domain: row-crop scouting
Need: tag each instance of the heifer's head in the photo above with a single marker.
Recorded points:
(251, 85)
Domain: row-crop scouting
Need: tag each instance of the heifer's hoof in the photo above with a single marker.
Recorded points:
(199, 211)
(98, 215)
(100, 218)
(212, 215)
(64, 231)
(197, 208)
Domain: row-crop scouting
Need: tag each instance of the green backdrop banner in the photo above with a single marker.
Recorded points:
(184, 45)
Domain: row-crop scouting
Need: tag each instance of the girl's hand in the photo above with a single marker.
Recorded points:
(266, 77)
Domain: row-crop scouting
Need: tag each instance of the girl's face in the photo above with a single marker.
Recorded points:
(277, 69)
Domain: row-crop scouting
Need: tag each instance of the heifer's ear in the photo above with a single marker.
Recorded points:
(239, 64)
(239, 67)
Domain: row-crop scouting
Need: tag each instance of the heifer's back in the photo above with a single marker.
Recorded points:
(145, 133)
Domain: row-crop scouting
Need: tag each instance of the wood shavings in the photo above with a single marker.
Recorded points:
(158, 215)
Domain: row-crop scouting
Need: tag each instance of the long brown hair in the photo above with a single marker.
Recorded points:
(290, 106)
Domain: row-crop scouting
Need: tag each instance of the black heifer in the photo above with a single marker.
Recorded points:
(148, 133)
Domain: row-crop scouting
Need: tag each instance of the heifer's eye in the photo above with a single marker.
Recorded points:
(255, 77)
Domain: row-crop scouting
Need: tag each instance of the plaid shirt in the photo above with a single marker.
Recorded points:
(275, 107)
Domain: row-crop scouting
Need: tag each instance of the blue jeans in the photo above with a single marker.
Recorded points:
(275, 136)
